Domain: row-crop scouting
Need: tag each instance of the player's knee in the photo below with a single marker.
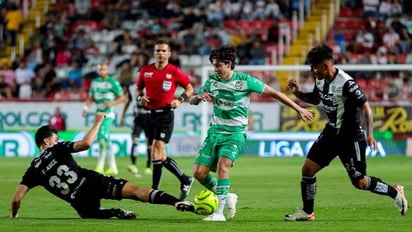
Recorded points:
(199, 174)
(359, 184)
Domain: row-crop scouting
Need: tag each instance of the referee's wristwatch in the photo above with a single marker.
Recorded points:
(139, 98)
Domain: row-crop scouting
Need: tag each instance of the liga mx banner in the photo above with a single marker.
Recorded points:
(394, 118)
(263, 144)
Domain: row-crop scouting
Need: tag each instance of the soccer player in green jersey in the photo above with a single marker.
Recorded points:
(105, 92)
(229, 92)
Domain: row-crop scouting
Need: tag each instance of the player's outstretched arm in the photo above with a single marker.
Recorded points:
(306, 97)
(303, 113)
(89, 138)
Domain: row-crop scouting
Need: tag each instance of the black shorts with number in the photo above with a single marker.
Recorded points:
(350, 150)
(160, 124)
(96, 187)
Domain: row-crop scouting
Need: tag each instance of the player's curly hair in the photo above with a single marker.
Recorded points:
(44, 132)
(225, 53)
(319, 54)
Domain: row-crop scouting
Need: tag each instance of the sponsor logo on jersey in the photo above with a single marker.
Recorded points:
(148, 74)
(168, 76)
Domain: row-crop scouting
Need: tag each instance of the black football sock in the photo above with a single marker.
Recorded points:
(160, 197)
(377, 186)
(172, 166)
(149, 158)
(308, 191)
(133, 153)
(157, 173)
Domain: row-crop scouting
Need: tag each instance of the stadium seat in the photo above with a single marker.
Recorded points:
(345, 12)
(230, 23)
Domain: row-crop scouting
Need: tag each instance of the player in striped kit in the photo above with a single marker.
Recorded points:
(229, 91)
(105, 92)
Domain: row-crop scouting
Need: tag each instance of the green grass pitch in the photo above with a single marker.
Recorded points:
(267, 188)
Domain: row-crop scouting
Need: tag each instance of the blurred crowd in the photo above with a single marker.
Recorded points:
(79, 34)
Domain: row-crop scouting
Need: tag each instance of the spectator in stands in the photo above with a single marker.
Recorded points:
(339, 39)
(63, 56)
(405, 40)
(50, 80)
(272, 10)
(75, 75)
(189, 42)
(211, 40)
(274, 31)
(257, 53)
(24, 76)
(128, 46)
(397, 24)
(396, 8)
(174, 59)
(258, 12)
(35, 54)
(384, 10)
(50, 44)
(80, 40)
(391, 40)
(370, 7)
(405, 92)
(364, 41)
(232, 9)
(9, 75)
(14, 22)
(38, 88)
(5, 89)
(82, 6)
(215, 13)
(380, 57)
(57, 120)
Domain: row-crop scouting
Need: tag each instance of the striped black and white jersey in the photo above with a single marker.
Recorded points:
(342, 98)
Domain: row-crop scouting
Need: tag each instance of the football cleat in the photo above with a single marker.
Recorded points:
(133, 169)
(185, 206)
(123, 214)
(231, 202)
(111, 172)
(185, 188)
(215, 218)
(400, 200)
(148, 171)
(300, 215)
(99, 170)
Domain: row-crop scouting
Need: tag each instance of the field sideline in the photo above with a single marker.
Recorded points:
(268, 188)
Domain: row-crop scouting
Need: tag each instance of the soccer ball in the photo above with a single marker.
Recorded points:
(205, 202)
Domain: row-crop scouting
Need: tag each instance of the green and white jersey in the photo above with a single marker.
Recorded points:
(104, 90)
(231, 100)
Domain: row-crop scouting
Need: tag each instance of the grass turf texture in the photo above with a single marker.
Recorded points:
(268, 188)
